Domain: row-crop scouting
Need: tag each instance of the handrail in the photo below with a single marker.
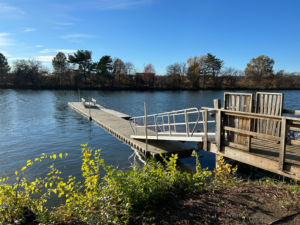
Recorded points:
(171, 114)
(252, 115)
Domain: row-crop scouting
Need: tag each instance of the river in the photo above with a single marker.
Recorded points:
(39, 121)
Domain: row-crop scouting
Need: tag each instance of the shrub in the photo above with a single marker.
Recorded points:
(101, 200)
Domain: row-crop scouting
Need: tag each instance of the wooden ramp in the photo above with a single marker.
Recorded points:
(113, 122)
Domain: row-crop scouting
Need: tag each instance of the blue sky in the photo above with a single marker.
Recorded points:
(160, 32)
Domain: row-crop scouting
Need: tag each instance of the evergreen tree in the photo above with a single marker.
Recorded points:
(4, 67)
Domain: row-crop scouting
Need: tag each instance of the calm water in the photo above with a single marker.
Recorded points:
(35, 121)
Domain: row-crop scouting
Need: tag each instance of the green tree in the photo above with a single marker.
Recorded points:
(60, 65)
(258, 68)
(83, 59)
(214, 66)
(4, 67)
(104, 69)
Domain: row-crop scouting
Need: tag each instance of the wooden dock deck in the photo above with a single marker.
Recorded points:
(113, 122)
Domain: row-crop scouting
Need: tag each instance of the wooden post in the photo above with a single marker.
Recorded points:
(205, 130)
(174, 123)
(217, 105)
(145, 108)
(169, 124)
(135, 126)
(155, 121)
(282, 147)
(187, 123)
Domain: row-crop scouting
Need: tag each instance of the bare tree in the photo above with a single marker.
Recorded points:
(28, 70)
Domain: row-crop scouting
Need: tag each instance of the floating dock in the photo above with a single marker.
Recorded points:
(116, 124)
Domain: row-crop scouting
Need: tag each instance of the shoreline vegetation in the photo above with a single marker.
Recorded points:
(154, 193)
(204, 72)
(57, 87)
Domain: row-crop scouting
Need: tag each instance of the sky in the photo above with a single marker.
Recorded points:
(160, 32)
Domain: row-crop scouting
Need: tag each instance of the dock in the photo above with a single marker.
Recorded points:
(247, 130)
(116, 123)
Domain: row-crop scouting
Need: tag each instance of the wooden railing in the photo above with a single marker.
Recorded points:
(289, 130)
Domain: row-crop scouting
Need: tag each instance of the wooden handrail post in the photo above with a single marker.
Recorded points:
(169, 124)
(205, 130)
(174, 123)
(145, 107)
(282, 147)
(187, 123)
(217, 105)
(155, 121)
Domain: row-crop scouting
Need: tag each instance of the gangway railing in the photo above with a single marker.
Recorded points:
(169, 124)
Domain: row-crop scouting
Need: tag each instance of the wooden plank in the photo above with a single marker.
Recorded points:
(289, 170)
(241, 119)
(291, 111)
(235, 93)
(246, 122)
(265, 112)
(275, 130)
(269, 113)
(254, 134)
(236, 118)
(282, 148)
(231, 118)
(253, 116)
(187, 127)
(261, 112)
(293, 128)
(217, 105)
(273, 113)
(293, 142)
(235, 145)
(256, 126)
(205, 130)
(226, 105)
(280, 113)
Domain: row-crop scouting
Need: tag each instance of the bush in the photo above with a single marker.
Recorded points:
(106, 200)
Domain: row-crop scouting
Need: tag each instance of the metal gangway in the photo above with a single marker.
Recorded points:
(177, 125)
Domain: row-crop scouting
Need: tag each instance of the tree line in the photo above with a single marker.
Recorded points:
(78, 70)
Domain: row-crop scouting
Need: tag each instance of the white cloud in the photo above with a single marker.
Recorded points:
(66, 50)
(39, 58)
(4, 40)
(46, 51)
(29, 30)
(10, 11)
(45, 58)
(76, 36)
(13, 59)
(39, 46)
(118, 4)
(58, 50)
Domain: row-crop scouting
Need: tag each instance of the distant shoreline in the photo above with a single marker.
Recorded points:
(44, 87)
